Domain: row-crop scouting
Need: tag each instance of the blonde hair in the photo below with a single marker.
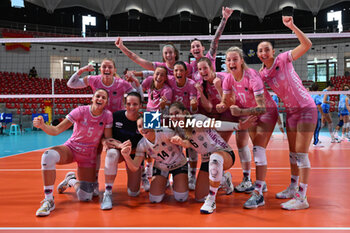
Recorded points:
(240, 53)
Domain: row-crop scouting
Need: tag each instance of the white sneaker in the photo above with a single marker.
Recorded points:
(287, 193)
(297, 203)
(244, 185)
(192, 182)
(106, 203)
(209, 206)
(319, 144)
(145, 184)
(46, 207)
(227, 185)
(64, 184)
(335, 140)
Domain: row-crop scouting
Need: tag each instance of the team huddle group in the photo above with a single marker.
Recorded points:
(184, 92)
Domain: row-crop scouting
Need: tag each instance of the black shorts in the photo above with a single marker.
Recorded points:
(180, 170)
(205, 166)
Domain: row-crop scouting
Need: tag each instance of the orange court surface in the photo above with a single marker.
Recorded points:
(328, 194)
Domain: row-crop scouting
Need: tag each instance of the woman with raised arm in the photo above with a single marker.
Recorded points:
(170, 55)
(251, 98)
(108, 80)
(197, 48)
(91, 123)
(278, 72)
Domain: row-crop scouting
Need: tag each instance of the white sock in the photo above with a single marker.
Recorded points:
(48, 190)
(302, 189)
(108, 188)
(259, 184)
(294, 180)
(72, 182)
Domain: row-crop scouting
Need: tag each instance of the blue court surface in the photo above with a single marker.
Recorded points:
(35, 140)
(29, 141)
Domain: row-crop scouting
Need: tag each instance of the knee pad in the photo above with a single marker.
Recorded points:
(303, 160)
(347, 125)
(293, 157)
(341, 123)
(133, 194)
(181, 197)
(111, 161)
(155, 198)
(85, 191)
(49, 160)
(244, 154)
(216, 164)
(192, 155)
(259, 156)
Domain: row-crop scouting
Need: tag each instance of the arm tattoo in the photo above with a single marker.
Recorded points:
(214, 43)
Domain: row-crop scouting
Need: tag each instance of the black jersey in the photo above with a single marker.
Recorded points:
(124, 129)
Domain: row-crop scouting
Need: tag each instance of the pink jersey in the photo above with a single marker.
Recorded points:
(212, 94)
(195, 74)
(115, 91)
(246, 89)
(183, 94)
(285, 82)
(170, 70)
(155, 95)
(88, 129)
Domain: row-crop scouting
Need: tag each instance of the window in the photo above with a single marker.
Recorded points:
(347, 62)
(321, 70)
(87, 20)
(17, 3)
(335, 16)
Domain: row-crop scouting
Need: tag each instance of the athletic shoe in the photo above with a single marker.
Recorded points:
(64, 184)
(297, 203)
(46, 207)
(96, 191)
(252, 188)
(335, 140)
(192, 182)
(106, 203)
(254, 201)
(319, 144)
(209, 206)
(227, 185)
(145, 184)
(244, 185)
(287, 193)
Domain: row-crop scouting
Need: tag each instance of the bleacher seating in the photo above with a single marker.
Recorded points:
(12, 83)
(338, 82)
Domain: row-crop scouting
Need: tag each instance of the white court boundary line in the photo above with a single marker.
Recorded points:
(123, 169)
(179, 228)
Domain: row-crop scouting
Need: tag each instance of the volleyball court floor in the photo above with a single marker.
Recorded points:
(22, 191)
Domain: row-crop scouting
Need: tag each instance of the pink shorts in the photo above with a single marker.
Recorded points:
(306, 115)
(270, 117)
(84, 156)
